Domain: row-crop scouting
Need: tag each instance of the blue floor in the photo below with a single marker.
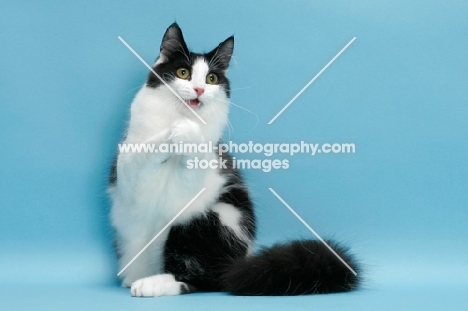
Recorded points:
(83, 277)
(60, 296)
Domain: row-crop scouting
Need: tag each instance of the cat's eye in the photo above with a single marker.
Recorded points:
(183, 73)
(212, 78)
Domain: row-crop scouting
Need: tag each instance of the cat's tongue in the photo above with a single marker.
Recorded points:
(194, 103)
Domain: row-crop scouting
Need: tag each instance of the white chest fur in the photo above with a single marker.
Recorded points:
(152, 188)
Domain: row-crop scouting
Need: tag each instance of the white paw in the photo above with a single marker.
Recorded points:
(186, 131)
(157, 285)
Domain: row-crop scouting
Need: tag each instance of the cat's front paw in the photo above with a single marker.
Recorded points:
(187, 132)
(158, 285)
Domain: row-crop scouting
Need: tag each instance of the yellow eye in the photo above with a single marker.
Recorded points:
(212, 78)
(183, 73)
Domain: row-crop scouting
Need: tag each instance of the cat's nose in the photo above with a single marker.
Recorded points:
(199, 90)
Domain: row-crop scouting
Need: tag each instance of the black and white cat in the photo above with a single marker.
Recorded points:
(210, 245)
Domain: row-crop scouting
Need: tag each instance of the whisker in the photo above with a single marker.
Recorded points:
(226, 121)
(229, 129)
(133, 89)
(243, 108)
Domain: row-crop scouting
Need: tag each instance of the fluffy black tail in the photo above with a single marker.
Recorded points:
(294, 268)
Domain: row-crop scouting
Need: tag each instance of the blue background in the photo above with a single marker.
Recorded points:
(399, 93)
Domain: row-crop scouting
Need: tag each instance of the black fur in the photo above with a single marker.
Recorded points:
(200, 251)
(294, 268)
(238, 196)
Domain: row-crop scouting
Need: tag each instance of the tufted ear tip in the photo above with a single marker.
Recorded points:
(223, 53)
(173, 42)
(227, 46)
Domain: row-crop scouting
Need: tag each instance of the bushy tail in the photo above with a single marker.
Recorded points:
(294, 268)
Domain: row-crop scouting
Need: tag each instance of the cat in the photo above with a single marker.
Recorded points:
(209, 247)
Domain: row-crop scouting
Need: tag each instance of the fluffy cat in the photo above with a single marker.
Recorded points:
(210, 246)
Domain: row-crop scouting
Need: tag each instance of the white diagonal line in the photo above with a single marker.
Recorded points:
(311, 81)
(313, 231)
(167, 85)
(160, 232)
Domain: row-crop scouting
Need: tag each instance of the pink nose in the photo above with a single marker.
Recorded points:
(199, 90)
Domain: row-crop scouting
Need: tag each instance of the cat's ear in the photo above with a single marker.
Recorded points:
(222, 54)
(173, 44)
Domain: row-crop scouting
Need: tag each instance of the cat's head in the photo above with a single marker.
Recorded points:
(199, 79)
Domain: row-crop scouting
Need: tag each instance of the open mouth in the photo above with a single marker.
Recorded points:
(194, 103)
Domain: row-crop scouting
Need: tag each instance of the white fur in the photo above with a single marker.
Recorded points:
(151, 188)
(156, 285)
(199, 72)
(230, 217)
